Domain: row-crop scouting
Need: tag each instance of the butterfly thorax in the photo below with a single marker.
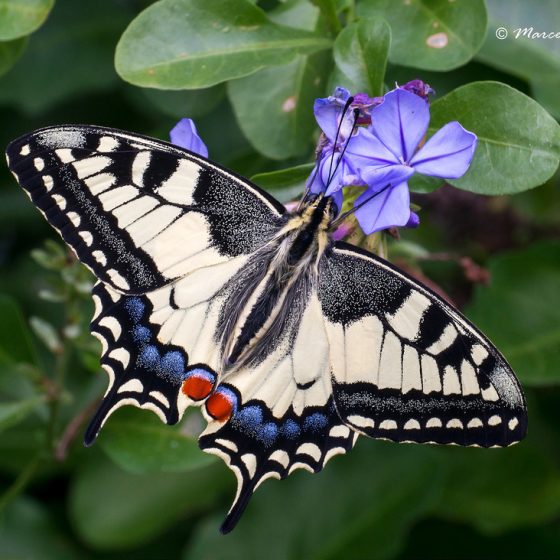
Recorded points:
(276, 282)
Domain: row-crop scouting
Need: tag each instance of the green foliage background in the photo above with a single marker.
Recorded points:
(248, 73)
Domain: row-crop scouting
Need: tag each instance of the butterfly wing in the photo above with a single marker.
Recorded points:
(281, 411)
(408, 367)
(138, 212)
(147, 218)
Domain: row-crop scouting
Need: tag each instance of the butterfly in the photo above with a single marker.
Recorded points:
(210, 293)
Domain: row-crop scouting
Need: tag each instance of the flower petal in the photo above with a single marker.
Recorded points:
(413, 220)
(386, 208)
(337, 199)
(380, 176)
(448, 153)
(184, 134)
(317, 186)
(366, 150)
(328, 113)
(400, 122)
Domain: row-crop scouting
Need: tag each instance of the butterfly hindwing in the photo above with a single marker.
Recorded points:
(408, 367)
(139, 212)
(142, 372)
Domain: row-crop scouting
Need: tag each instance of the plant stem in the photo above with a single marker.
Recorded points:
(21, 481)
(61, 362)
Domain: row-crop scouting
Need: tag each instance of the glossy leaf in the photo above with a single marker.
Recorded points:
(21, 17)
(359, 507)
(30, 530)
(424, 184)
(280, 124)
(11, 413)
(16, 344)
(285, 184)
(113, 509)
(10, 51)
(525, 286)
(139, 442)
(185, 44)
(58, 64)
(536, 60)
(179, 104)
(500, 489)
(360, 53)
(518, 141)
(431, 34)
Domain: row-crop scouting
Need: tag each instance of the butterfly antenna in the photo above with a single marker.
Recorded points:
(332, 172)
(346, 107)
(356, 115)
(342, 217)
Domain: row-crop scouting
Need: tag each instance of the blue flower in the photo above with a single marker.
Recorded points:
(334, 168)
(184, 134)
(387, 155)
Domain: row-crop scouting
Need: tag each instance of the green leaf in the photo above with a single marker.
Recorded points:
(518, 141)
(71, 54)
(500, 489)
(329, 11)
(21, 17)
(14, 412)
(536, 60)
(191, 104)
(524, 288)
(431, 34)
(424, 184)
(139, 442)
(16, 343)
(29, 531)
(10, 51)
(280, 124)
(187, 44)
(360, 506)
(113, 509)
(360, 53)
(46, 333)
(286, 184)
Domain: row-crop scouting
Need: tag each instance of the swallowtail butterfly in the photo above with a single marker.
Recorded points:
(210, 293)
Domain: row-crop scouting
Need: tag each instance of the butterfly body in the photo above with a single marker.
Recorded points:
(293, 344)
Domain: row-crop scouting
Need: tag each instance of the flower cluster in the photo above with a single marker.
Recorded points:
(374, 143)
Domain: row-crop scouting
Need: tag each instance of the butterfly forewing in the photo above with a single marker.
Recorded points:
(138, 212)
(408, 367)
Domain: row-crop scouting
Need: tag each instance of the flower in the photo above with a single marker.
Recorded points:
(419, 87)
(184, 135)
(337, 118)
(387, 155)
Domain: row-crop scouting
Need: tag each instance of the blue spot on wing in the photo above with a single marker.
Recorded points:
(290, 429)
(315, 422)
(149, 357)
(268, 433)
(250, 416)
(135, 307)
(141, 335)
(173, 364)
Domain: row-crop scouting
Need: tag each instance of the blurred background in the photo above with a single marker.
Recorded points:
(144, 490)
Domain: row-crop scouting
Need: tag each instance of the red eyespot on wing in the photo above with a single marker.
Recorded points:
(197, 387)
(220, 406)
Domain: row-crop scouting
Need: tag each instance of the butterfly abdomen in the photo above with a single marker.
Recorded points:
(260, 308)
